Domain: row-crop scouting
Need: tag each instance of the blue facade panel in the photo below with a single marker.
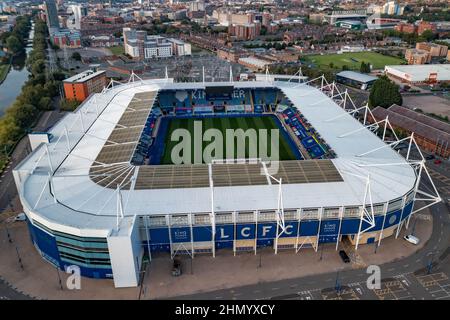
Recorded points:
(182, 234)
(309, 228)
(407, 211)
(290, 230)
(224, 236)
(159, 236)
(266, 230)
(392, 218)
(245, 231)
(49, 251)
(202, 233)
(47, 244)
(349, 226)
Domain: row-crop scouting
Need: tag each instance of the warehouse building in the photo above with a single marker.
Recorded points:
(427, 73)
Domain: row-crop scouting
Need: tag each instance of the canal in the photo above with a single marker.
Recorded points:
(18, 74)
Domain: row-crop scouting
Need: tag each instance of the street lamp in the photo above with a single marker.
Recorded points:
(321, 251)
(59, 278)
(430, 264)
(7, 233)
(19, 258)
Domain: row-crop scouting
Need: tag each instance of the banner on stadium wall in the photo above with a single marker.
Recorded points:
(248, 108)
(266, 230)
(201, 109)
(225, 232)
(245, 231)
(236, 108)
(329, 227)
(259, 108)
(182, 234)
(392, 218)
(291, 228)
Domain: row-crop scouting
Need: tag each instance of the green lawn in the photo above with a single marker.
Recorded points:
(117, 50)
(353, 60)
(264, 122)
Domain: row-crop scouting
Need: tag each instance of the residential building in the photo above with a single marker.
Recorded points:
(417, 56)
(82, 85)
(434, 49)
(65, 38)
(141, 46)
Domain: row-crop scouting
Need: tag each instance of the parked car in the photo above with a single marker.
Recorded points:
(176, 268)
(429, 157)
(411, 239)
(20, 217)
(437, 161)
(344, 256)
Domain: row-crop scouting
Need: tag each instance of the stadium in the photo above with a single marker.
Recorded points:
(101, 189)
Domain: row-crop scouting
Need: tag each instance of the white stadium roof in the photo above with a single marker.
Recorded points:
(85, 207)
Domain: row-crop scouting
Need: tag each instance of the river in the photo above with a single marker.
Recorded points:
(18, 74)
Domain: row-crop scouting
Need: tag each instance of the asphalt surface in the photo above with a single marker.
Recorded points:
(8, 191)
(407, 278)
(404, 279)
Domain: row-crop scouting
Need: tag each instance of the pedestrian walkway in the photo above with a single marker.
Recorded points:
(40, 279)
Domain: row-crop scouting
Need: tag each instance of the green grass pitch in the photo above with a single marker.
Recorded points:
(223, 123)
(377, 60)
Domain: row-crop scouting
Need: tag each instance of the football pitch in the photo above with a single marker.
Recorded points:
(353, 60)
(287, 149)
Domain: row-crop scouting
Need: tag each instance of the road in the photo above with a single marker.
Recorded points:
(8, 191)
(406, 275)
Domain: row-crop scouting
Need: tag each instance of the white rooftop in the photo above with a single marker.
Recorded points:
(86, 207)
(420, 72)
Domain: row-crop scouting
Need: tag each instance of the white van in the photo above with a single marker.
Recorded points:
(412, 239)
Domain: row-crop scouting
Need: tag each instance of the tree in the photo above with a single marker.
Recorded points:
(365, 67)
(345, 67)
(384, 93)
(13, 44)
(428, 35)
(76, 56)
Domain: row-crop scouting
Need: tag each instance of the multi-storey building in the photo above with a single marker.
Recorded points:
(141, 46)
(82, 85)
(66, 38)
(248, 31)
(434, 49)
(417, 56)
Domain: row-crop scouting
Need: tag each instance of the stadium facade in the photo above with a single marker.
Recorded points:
(95, 197)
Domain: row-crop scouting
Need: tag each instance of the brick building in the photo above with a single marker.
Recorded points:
(431, 134)
(434, 49)
(417, 56)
